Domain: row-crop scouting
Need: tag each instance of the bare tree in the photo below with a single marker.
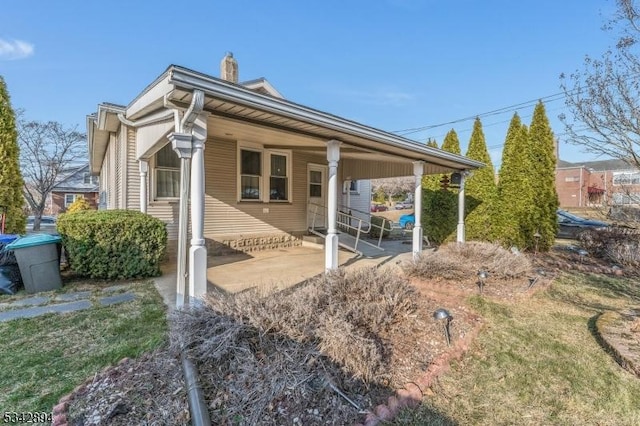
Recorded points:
(46, 151)
(394, 186)
(604, 97)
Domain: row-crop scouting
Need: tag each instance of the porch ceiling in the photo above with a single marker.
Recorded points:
(230, 120)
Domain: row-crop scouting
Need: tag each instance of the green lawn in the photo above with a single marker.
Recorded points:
(43, 358)
(537, 362)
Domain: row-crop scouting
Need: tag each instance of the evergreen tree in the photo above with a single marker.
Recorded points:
(542, 176)
(515, 198)
(480, 190)
(439, 205)
(451, 143)
(11, 182)
(431, 182)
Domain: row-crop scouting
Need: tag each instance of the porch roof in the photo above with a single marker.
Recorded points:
(243, 108)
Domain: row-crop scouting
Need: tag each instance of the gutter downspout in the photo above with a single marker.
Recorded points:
(195, 397)
(580, 193)
(181, 141)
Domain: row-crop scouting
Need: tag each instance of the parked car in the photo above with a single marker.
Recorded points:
(570, 225)
(378, 208)
(47, 223)
(407, 221)
(403, 205)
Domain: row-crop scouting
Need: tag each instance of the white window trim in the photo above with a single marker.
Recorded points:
(347, 186)
(630, 173)
(75, 197)
(153, 176)
(265, 177)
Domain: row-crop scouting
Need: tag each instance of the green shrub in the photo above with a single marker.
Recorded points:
(376, 227)
(79, 205)
(113, 244)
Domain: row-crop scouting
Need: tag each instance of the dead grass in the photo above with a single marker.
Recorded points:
(262, 354)
(461, 261)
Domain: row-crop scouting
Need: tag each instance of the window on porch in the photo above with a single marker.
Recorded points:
(167, 173)
(265, 175)
(279, 181)
(250, 174)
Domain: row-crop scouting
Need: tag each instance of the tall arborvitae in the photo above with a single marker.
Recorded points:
(431, 182)
(542, 155)
(480, 190)
(451, 143)
(515, 198)
(11, 199)
(438, 204)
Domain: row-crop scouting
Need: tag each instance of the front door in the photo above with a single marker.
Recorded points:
(316, 196)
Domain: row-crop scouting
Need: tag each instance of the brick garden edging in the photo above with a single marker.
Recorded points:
(411, 395)
(61, 409)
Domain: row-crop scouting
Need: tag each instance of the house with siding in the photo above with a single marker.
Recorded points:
(240, 168)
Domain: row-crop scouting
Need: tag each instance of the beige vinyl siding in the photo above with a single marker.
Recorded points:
(370, 170)
(117, 160)
(168, 213)
(224, 215)
(133, 172)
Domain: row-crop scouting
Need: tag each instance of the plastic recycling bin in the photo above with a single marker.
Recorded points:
(38, 257)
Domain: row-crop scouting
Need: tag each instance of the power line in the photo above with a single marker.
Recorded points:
(518, 106)
(545, 99)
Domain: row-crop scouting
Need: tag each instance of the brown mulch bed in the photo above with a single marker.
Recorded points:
(294, 381)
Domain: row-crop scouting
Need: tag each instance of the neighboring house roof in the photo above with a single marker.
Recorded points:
(303, 126)
(600, 165)
(73, 181)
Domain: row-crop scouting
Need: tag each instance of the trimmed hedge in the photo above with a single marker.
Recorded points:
(113, 244)
(376, 221)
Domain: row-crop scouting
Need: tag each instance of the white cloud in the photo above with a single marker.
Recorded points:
(15, 49)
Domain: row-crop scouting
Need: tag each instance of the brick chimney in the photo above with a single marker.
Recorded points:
(229, 68)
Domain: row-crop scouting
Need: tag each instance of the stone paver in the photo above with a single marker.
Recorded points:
(77, 295)
(35, 311)
(118, 298)
(114, 288)
(31, 301)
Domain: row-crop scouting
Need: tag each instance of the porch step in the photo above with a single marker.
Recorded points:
(313, 241)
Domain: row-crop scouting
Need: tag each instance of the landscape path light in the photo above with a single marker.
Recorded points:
(582, 253)
(537, 236)
(445, 317)
(482, 277)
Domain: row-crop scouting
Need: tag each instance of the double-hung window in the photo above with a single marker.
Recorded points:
(250, 174)
(279, 179)
(167, 173)
(70, 198)
(264, 175)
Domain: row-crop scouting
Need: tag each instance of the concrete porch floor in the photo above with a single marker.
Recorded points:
(280, 268)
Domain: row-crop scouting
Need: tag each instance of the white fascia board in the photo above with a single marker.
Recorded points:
(104, 110)
(189, 80)
(150, 99)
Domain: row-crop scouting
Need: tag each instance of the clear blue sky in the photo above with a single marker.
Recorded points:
(391, 64)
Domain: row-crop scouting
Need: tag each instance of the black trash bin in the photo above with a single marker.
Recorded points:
(10, 280)
(38, 257)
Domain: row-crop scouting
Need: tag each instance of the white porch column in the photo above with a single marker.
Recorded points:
(198, 250)
(331, 240)
(460, 230)
(144, 169)
(181, 144)
(418, 170)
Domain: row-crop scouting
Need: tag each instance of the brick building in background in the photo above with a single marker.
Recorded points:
(76, 183)
(597, 184)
